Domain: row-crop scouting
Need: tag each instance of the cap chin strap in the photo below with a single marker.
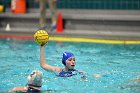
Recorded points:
(33, 85)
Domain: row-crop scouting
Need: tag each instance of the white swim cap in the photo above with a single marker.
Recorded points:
(35, 78)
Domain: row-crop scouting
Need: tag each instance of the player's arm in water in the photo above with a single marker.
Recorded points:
(133, 85)
(43, 62)
(137, 80)
(18, 89)
(97, 75)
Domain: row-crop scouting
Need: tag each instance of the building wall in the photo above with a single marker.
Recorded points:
(86, 4)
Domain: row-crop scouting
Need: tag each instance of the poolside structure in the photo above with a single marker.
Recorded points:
(83, 22)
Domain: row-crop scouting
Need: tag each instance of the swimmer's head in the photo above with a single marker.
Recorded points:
(66, 55)
(35, 78)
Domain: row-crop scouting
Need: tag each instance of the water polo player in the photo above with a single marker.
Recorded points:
(34, 83)
(68, 61)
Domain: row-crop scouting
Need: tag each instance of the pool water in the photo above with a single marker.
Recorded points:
(118, 65)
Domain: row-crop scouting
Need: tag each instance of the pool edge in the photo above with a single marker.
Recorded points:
(73, 39)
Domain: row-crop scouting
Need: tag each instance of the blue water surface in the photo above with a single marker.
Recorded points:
(117, 65)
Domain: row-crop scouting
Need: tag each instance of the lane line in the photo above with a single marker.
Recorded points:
(69, 39)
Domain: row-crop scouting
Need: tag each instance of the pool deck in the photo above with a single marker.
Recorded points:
(127, 16)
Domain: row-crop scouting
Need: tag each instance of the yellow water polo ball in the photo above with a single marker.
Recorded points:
(41, 37)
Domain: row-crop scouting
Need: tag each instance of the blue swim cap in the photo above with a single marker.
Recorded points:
(66, 55)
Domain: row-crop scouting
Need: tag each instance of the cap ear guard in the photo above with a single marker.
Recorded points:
(63, 62)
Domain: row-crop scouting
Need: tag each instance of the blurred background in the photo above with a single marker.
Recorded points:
(85, 4)
(107, 19)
